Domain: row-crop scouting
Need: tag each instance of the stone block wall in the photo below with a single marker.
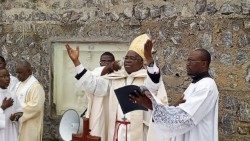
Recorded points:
(29, 27)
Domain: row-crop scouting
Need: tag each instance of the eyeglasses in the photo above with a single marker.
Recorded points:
(133, 58)
(106, 61)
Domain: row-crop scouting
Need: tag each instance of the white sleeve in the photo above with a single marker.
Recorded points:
(92, 84)
(171, 120)
(2, 119)
(153, 69)
(199, 104)
(79, 69)
(18, 106)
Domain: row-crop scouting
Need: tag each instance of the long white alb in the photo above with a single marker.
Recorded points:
(194, 120)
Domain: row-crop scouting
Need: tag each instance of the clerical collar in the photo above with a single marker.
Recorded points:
(199, 76)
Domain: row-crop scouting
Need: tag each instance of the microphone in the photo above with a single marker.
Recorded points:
(83, 113)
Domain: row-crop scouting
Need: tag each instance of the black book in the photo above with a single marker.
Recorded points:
(126, 104)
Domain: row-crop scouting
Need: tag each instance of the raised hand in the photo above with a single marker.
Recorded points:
(148, 51)
(114, 66)
(73, 54)
(7, 103)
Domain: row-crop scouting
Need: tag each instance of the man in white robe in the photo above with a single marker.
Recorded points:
(132, 73)
(10, 106)
(197, 118)
(31, 96)
(95, 110)
(13, 80)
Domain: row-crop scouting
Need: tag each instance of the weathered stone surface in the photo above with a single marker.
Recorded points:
(247, 24)
(1, 29)
(237, 25)
(227, 9)
(4, 52)
(141, 12)
(186, 12)
(248, 75)
(176, 38)
(205, 25)
(36, 59)
(211, 8)
(70, 17)
(242, 57)
(155, 12)
(113, 16)
(128, 11)
(162, 36)
(200, 6)
(228, 124)
(134, 22)
(245, 4)
(84, 17)
(167, 69)
(193, 26)
(55, 5)
(244, 112)
(68, 4)
(169, 52)
(226, 59)
(227, 39)
(182, 54)
(168, 11)
(101, 14)
(231, 103)
(28, 28)
(243, 130)
(206, 41)
(8, 39)
(212, 72)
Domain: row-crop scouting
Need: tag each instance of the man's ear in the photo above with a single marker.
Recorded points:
(204, 64)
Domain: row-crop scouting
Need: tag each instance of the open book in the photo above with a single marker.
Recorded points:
(126, 104)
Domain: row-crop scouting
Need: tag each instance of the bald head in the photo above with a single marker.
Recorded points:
(198, 62)
(23, 70)
(24, 63)
(204, 55)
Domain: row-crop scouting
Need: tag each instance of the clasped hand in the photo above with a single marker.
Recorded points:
(7, 103)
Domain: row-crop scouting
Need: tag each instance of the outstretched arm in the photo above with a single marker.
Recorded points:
(73, 54)
(90, 83)
(153, 70)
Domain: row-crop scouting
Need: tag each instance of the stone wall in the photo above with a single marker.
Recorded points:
(28, 27)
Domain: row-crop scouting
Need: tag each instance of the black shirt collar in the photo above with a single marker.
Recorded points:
(199, 76)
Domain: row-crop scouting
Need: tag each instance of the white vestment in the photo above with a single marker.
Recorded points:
(31, 96)
(194, 120)
(105, 86)
(95, 110)
(9, 129)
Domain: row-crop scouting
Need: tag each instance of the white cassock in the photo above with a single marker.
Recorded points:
(9, 129)
(95, 109)
(194, 120)
(31, 96)
(104, 87)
